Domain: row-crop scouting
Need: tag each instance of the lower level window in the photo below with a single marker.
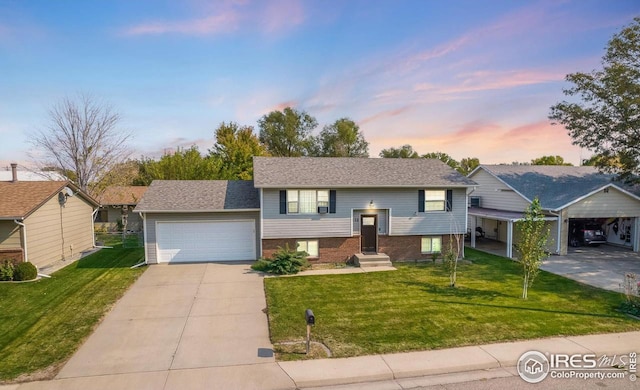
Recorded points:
(309, 246)
(431, 244)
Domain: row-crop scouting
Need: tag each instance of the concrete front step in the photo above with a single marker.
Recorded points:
(367, 261)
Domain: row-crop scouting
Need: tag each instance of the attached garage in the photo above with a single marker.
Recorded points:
(188, 221)
(180, 242)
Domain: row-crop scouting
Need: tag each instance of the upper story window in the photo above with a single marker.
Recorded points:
(435, 200)
(306, 201)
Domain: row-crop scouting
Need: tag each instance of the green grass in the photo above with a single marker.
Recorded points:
(414, 309)
(42, 323)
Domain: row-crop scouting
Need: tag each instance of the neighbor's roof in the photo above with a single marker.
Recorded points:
(122, 195)
(18, 200)
(7, 175)
(555, 186)
(198, 196)
(346, 172)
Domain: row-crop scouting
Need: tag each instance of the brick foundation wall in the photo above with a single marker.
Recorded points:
(402, 248)
(331, 250)
(14, 255)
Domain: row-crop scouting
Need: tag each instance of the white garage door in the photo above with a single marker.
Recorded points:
(206, 241)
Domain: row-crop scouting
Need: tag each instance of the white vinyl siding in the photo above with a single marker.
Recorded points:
(400, 203)
(613, 203)
(494, 194)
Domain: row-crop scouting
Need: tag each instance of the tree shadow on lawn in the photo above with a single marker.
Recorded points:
(530, 309)
(459, 291)
(111, 258)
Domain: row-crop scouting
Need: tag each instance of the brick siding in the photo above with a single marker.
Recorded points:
(14, 255)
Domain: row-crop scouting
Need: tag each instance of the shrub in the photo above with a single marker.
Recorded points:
(284, 262)
(6, 270)
(260, 265)
(25, 271)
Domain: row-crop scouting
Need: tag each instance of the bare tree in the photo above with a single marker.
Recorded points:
(83, 138)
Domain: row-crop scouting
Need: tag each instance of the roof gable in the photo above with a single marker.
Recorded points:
(199, 196)
(122, 195)
(349, 172)
(555, 186)
(20, 199)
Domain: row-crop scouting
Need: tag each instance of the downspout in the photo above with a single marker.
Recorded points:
(93, 224)
(24, 238)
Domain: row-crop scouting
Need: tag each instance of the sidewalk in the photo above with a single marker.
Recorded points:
(404, 370)
(331, 372)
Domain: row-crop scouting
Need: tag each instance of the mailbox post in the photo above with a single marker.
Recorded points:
(311, 320)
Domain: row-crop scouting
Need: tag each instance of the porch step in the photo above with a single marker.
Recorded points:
(378, 260)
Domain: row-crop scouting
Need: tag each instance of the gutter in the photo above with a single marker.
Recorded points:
(93, 218)
(24, 236)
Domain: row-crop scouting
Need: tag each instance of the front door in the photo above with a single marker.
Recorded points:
(369, 233)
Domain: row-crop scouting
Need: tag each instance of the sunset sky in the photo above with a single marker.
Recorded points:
(469, 78)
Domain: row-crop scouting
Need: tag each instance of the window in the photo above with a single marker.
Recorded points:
(435, 200)
(102, 216)
(306, 201)
(309, 246)
(431, 245)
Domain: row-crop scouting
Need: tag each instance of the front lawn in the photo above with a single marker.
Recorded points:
(413, 309)
(43, 322)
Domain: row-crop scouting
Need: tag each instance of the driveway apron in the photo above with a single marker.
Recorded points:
(188, 319)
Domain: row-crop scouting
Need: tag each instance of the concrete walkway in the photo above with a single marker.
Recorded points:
(201, 326)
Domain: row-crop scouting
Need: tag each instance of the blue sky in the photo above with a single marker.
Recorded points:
(469, 78)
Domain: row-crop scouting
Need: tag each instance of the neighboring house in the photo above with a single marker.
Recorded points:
(332, 208)
(30, 175)
(570, 197)
(116, 204)
(44, 221)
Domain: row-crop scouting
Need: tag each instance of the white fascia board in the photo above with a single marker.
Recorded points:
(193, 211)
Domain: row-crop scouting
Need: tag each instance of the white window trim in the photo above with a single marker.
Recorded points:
(311, 255)
(431, 242)
(319, 203)
(443, 200)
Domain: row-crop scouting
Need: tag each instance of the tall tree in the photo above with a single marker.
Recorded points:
(184, 164)
(287, 133)
(606, 119)
(550, 160)
(234, 148)
(342, 139)
(83, 136)
(532, 244)
(405, 151)
(468, 164)
(445, 158)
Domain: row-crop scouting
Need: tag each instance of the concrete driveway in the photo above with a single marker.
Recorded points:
(603, 266)
(181, 326)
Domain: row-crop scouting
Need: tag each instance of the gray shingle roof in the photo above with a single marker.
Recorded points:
(555, 186)
(336, 172)
(199, 196)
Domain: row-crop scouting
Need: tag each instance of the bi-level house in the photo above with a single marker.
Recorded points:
(332, 208)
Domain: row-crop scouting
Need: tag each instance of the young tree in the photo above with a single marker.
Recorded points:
(468, 164)
(550, 160)
(606, 119)
(184, 164)
(406, 151)
(287, 133)
(82, 137)
(532, 244)
(342, 139)
(445, 158)
(234, 148)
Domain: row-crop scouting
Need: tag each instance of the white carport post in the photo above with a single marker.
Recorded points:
(510, 239)
(636, 235)
(472, 230)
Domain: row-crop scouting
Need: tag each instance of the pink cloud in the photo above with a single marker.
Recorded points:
(281, 15)
(384, 114)
(210, 25)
